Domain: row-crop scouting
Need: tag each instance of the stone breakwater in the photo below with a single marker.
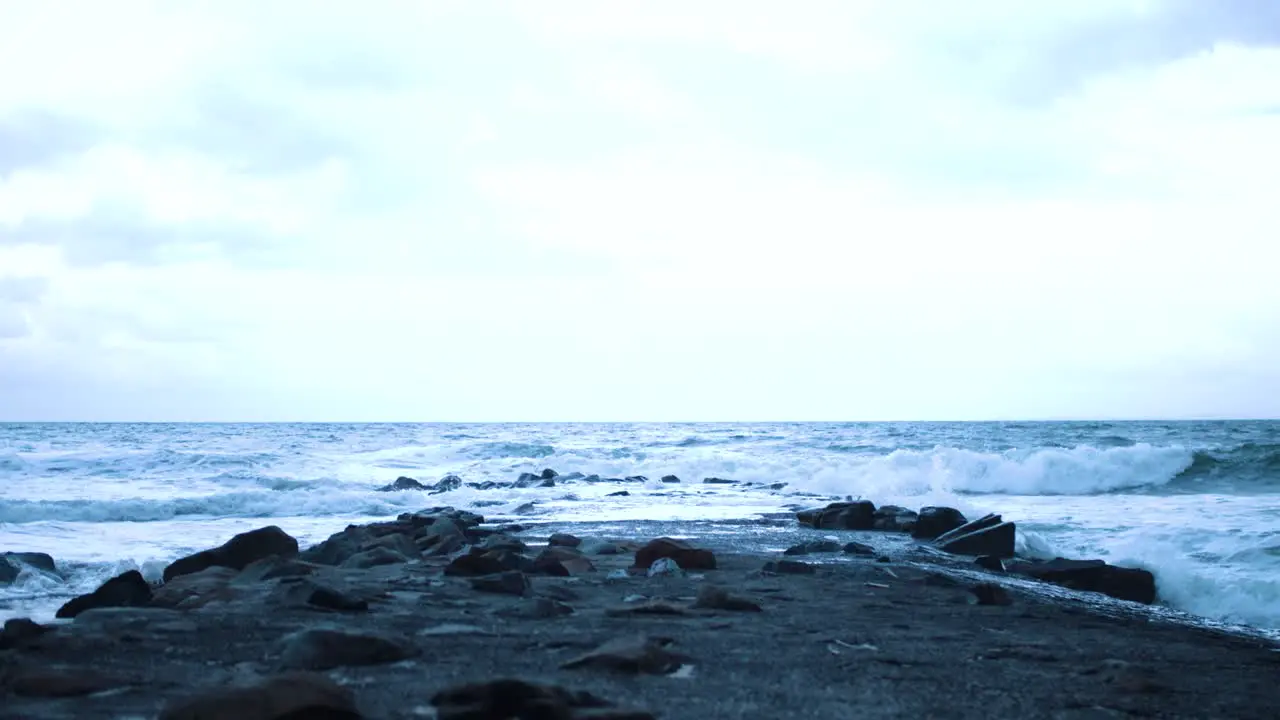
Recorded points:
(440, 614)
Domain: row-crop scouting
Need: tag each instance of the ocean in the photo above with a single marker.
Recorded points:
(1197, 503)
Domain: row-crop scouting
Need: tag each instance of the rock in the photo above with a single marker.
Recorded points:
(537, 608)
(60, 683)
(573, 561)
(995, 539)
(717, 481)
(670, 479)
(486, 485)
(129, 589)
(304, 592)
(636, 479)
(991, 594)
(857, 548)
(634, 655)
(325, 649)
(564, 540)
(664, 567)
(196, 589)
(859, 515)
(548, 474)
(11, 564)
(596, 546)
(891, 518)
(934, 521)
(475, 565)
(273, 568)
(986, 521)
(448, 483)
(568, 477)
(645, 607)
(500, 541)
(814, 546)
(402, 484)
(526, 508)
(685, 555)
(512, 582)
(373, 558)
(620, 493)
(790, 567)
(238, 552)
(528, 480)
(713, 597)
(291, 696)
(509, 698)
(1123, 583)
(990, 562)
(19, 631)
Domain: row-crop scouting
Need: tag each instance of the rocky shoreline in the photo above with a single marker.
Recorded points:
(440, 614)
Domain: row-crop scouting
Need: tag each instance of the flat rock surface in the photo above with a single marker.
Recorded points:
(856, 638)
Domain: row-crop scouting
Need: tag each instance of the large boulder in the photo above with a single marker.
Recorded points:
(934, 521)
(127, 590)
(403, 484)
(859, 515)
(891, 518)
(325, 649)
(988, 535)
(1132, 584)
(11, 564)
(685, 555)
(291, 695)
(238, 552)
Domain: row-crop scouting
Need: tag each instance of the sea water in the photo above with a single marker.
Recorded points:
(1197, 503)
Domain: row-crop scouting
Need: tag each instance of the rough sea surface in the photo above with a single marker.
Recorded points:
(1198, 503)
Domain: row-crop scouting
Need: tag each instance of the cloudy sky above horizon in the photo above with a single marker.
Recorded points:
(875, 209)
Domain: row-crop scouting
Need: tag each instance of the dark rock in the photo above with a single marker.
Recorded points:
(195, 590)
(402, 484)
(986, 521)
(647, 607)
(992, 539)
(548, 474)
(19, 631)
(620, 493)
(238, 552)
(790, 567)
(291, 696)
(990, 562)
(325, 649)
(564, 539)
(309, 593)
(636, 479)
(129, 589)
(776, 486)
(858, 515)
(684, 554)
(813, 546)
(512, 582)
(891, 518)
(857, 548)
(501, 541)
(573, 561)
(670, 479)
(528, 480)
(526, 508)
(275, 567)
(448, 483)
(1123, 583)
(718, 481)
(476, 564)
(634, 655)
(508, 698)
(884, 559)
(597, 546)
(54, 683)
(934, 521)
(11, 564)
(537, 608)
(486, 485)
(374, 557)
(991, 594)
(713, 597)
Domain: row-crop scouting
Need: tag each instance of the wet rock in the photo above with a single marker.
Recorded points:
(564, 540)
(526, 508)
(537, 608)
(129, 589)
(891, 518)
(859, 515)
(934, 521)
(512, 582)
(620, 493)
(509, 698)
(714, 597)
(548, 474)
(448, 483)
(597, 546)
(325, 649)
(402, 484)
(717, 481)
(990, 562)
(273, 568)
(1123, 583)
(684, 554)
(814, 546)
(857, 548)
(486, 485)
(790, 567)
(633, 655)
(11, 564)
(304, 592)
(60, 683)
(476, 564)
(196, 589)
(374, 557)
(986, 536)
(529, 480)
(635, 479)
(501, 541)
(670, 479)
(990, 594)
(291, 696)
(238, 552)
(573, 561)
(19, 631)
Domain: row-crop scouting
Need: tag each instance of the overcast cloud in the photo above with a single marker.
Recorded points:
(400, 210)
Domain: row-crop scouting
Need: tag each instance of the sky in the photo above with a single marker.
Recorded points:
(401, 210)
